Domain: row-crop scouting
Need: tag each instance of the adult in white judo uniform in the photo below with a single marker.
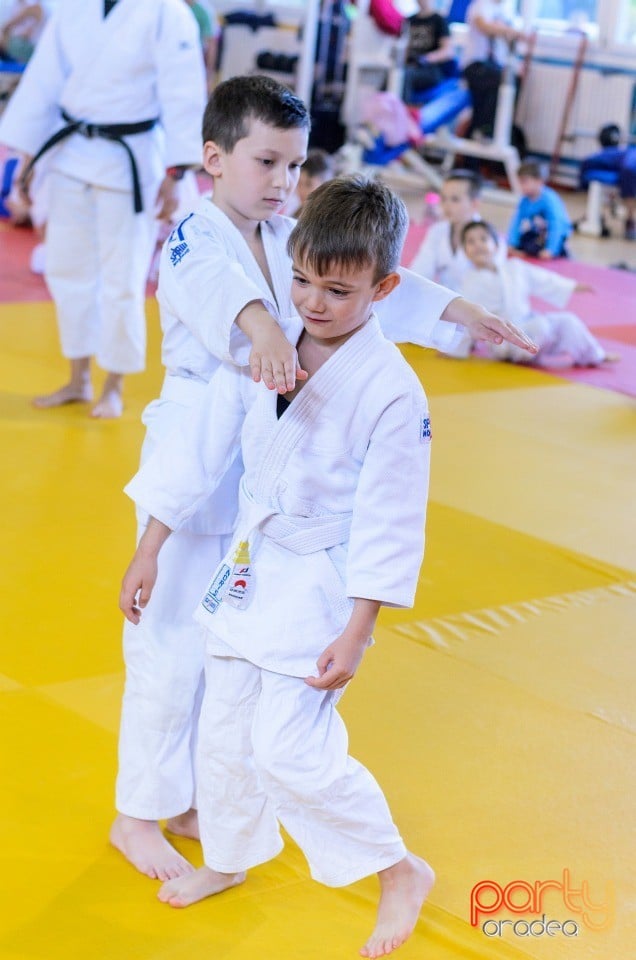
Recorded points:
(331, 526)
(114, 92)
(224, 272)
(507, 286)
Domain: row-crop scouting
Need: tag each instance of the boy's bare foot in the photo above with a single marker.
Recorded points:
(203, 883)
(70, 393)
(185, 825)
(611, 358)
(144, 845)
(404, 888)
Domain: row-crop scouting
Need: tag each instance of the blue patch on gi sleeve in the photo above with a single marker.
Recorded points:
(178, 252)
(425, 430)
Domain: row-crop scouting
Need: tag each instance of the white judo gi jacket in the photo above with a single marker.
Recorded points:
(140, 62)
(332, 501)
(507, 292)
(508, 289)
(207, 275)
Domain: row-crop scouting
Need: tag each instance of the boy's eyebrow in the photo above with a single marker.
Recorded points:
(336, 281)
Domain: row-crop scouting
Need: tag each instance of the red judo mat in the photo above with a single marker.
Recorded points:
(609, 312)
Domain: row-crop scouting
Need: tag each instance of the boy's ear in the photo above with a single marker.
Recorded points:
(385, 286)
(212, 158)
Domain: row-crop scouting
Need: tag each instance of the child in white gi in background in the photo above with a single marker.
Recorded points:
(506, 287)
(224, 272)
(441, 256)
(330, 527)
(115, 91)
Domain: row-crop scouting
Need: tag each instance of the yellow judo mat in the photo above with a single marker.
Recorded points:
(499, 715)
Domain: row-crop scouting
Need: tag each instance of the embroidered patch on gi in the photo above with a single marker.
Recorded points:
(178, 253)
(425, 430)
(215, 592)
(178, 233)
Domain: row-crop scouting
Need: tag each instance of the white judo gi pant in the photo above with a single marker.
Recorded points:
(164, 657)
(272, 749)
(98, 253)
(164, 652)
(554, 333)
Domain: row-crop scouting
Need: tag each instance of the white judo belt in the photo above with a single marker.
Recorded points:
(233, 579)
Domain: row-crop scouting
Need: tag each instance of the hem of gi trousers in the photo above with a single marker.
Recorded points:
(244, 863)
(156, 813)
(362, 870)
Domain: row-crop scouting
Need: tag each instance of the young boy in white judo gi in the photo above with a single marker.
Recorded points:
(331, 526)
(113, 96)
(507, 286)
(224, 272)
(441, 256)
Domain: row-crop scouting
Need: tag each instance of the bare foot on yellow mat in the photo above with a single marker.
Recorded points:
(185, 825)
(110, 405)
(144, 845)
(70, 393)
(203, 883)
(404, 888)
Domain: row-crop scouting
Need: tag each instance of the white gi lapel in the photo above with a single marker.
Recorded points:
(245, 256)
(274, 237)
(99, 43)
(233, 580)
(339, 370)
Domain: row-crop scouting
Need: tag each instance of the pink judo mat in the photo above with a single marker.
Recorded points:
(609, 312)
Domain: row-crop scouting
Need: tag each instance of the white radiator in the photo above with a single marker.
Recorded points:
(601, 97)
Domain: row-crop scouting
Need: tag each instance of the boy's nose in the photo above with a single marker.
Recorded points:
(315, 301)
(282, 177)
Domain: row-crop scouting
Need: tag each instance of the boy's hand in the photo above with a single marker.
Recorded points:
(584, 288)
(484, 325)
(137, 585)
(338, 662)
(273, 359)
(545, 255)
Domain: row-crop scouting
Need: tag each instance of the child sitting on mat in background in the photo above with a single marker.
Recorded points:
(506, 287)
(541, 223)
(441, 256)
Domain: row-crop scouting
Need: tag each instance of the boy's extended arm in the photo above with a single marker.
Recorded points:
(340, 660)
(141, 575)
(204, 289)
(413, 311)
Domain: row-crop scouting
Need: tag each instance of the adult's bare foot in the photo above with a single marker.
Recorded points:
(110, 404)
(203, 883)
(404, 888)
(185, 825)
(145, 847)
(69, 393)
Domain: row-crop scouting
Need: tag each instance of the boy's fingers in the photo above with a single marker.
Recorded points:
(267, 376)
(255, 367)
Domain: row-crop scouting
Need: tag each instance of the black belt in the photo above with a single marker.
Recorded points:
(108, 131)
